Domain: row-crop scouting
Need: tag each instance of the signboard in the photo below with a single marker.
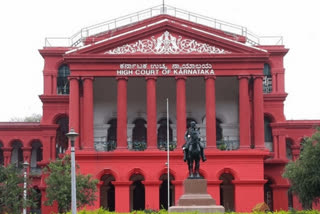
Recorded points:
(162, 69)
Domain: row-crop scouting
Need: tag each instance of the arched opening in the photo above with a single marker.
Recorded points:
(227, 192)
(17, 154)
(37, 208)
(289, 143)
(36, 156)
(268, 194)
(162, 134)
(112, 135)
(61, 138)
(290, 200)
(219, 134)
(1, 155)
(189, 120)
(163, 192)
(137, 193)
(62, 80)
(107, 193)
(268, 140)
(267, 79)
(139, 135)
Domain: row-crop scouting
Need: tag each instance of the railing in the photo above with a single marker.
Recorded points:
(35, 171)
(77, 39)
(228, 145)
(137, 145)
(102, 145)
(162, 145)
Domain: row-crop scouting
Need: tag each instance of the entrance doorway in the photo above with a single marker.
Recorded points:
(107, 193)
(227, 192)
(268, 194)
(137, 193)
(163, 192)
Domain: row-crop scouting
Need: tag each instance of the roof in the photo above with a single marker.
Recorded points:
(79, 38)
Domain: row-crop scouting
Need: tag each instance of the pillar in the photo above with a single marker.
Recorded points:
(181, 110)
(7, 155)
(87, 141)
(178, 190)
(274, 83)
(46, 148)
(152, 200)
(244, 113)
(47, 208)
(253, 190)
(258, 112)
(151, 113)
(282, 147)
(210, 111)
(214, 190)
(275, 147)
(54, 84)
(53, 148)
(280, 197)
(122, 113)
(74, 111)
(27, 154)
(122, 196)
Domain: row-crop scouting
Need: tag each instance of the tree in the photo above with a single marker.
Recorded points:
(59, 185)
(32, 118)
(304, 174)
(11, 191)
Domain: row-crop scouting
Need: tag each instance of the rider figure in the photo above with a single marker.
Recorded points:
(187, 137)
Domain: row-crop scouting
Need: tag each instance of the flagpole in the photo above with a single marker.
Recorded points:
(168, 152)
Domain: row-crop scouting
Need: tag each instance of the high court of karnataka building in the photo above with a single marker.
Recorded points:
(111, 83)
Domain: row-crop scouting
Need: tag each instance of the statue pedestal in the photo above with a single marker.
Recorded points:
(196, 198)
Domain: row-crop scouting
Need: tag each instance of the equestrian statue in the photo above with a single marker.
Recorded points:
(193, 149)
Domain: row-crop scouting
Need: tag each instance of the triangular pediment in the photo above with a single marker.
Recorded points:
(167, 43)
(165, 36)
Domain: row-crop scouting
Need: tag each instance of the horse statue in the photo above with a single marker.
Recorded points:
(193, 151)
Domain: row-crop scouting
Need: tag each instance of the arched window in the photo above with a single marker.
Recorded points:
(112, 130)
(289, 143)
(189, 120)
(137, 193)
(268, 140)
(17, 154)
(162, 134)
(62, 80)
(36, 156)
(219, 135)
(139, 135)
(267, 79)
(112, 135)
(163, 191)
(107, 193)
(1, 155)
(61, 138)
(227, 192)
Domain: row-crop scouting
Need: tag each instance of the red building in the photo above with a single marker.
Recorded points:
(111, 84)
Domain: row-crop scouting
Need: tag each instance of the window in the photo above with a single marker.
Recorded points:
(268, 134)
(139, 135)
(267, 79)
(62, 80)
(61, 138)
(162, 134)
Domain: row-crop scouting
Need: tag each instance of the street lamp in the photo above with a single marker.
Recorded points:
(25, 168)
(72, 135)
